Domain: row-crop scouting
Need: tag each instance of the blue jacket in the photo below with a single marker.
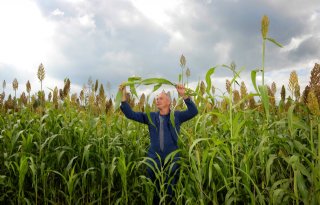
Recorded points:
(170, 132)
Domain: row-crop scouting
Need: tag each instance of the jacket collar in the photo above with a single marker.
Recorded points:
(158, 114)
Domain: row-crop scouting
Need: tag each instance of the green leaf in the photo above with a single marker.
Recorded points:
(220, 172)
(318, 138)
(254, 79)
(131, 83)
(290, 119)
(156, 87)
(225, 66)
(2, 179)
(23, 168)
(195, 143)
(134, 78)
(133, 90)
(118, 100)
(172, 119)
(150, 81)
(303, 170)
(148, 114)
(277, 196)
(190, 92)
(210, 170)
(268, 167)
(230, 196)
(265, 98)
(85, 155)
(302, 187)
(208, 79)
(274, 41)
(170, 157)
(236, 75)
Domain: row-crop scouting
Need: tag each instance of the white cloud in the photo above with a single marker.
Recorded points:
(295, 43)
(165, 14)
(57, 12)
(222, 51)
(25, 35)
(121, 56)
(314, 16)
(158, 11)
(87, 21)
(75, 1)
(176, 43)
(128, 18)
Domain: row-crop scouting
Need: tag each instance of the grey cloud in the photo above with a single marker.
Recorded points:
(307, 50)
(97, 52)
(237, 23)
(85, 51)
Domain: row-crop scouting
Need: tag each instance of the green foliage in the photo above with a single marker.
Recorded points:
(72, 156)
(64, 153)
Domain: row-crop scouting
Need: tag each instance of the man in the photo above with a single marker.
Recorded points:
(163, 135)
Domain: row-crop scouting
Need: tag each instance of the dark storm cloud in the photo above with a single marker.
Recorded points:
(122, 41)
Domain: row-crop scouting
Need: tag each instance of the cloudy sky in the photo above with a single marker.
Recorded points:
(111, 40)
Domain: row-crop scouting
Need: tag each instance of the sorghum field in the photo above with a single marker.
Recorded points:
(242, 148)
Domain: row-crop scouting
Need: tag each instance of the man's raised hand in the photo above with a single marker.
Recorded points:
(181, 91)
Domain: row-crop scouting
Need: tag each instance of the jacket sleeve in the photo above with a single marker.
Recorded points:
(189, 113)
(130, 114)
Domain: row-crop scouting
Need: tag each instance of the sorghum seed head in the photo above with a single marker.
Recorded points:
(264, 26)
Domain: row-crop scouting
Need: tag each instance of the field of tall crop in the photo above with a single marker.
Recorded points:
(242, 148)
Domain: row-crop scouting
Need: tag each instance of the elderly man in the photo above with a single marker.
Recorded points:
(163, 135)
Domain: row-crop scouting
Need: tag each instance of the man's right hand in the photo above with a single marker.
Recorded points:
(181, 91)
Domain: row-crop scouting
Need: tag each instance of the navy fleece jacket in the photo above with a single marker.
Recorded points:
(170, 133)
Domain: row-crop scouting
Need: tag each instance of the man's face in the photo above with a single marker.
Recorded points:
(162, 101)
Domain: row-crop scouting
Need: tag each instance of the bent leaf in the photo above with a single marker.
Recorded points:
(208, 79)
(150, 81)
(254, 79)
(156, 87)
(274, 41)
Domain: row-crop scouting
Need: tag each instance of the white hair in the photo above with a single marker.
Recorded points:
(167, 94)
